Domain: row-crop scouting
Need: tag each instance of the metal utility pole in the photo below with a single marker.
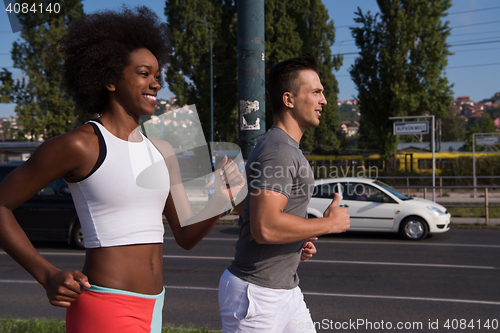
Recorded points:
(251, 74)
(433, 147)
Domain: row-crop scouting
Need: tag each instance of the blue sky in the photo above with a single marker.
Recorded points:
(474, 69)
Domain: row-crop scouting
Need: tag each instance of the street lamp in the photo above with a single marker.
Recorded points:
(211, 86)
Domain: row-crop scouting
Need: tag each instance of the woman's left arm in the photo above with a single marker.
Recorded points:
(189, 230)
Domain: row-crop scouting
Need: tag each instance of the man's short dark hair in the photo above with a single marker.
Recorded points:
(283, 78)
(98, 47)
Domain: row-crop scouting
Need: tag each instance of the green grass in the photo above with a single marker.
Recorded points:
(473, 212)
(9, 325)
(36, 325)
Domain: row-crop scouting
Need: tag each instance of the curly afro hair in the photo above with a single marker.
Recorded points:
(97, 49)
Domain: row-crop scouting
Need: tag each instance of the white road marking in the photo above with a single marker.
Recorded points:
(209, 239)
(367, 242)
(196, 257)
(399, 264)
(18, 281)
(349, 262)
(191, 288)
(165, 256)
(409, 243)
(78, 254)
(403, 298)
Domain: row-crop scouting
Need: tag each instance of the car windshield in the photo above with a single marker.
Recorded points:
(391, 190)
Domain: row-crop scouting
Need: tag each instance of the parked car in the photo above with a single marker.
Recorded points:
(50, 214)
(375, 206)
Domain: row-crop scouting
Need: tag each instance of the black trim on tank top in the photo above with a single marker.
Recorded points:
(102, 148)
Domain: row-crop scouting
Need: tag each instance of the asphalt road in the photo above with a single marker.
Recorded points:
(359, 282)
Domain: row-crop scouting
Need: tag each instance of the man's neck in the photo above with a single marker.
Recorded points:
(290, 126)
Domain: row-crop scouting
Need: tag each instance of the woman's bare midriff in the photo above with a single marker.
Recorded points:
(136, 268)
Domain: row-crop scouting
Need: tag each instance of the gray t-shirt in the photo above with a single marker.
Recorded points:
(276, 164)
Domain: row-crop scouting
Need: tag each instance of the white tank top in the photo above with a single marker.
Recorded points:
(115, 208)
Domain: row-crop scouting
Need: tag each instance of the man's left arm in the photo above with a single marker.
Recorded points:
(308, 249)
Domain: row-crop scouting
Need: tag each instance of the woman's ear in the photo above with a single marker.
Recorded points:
(110, 87)
(288, 100)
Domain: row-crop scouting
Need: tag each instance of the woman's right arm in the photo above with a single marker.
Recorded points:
(63, 156)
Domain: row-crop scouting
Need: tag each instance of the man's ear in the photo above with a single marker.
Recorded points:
(110, 87)
(288, 100)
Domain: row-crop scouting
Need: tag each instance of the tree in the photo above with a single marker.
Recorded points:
(348, 112)
(296, 27)
(484, 125)
(291, 28)
(452, 127)
(494, 112)
(495, 98)
(7, 131)
(188, 74)
(44, 109)
(399, 72)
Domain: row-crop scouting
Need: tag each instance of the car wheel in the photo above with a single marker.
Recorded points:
(77, 236)
(414, 228)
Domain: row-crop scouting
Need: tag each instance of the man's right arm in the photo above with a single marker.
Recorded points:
(270, 225)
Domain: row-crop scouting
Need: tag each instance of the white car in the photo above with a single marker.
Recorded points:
(375, 206)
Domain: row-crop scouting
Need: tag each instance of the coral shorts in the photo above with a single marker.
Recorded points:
(105, 310)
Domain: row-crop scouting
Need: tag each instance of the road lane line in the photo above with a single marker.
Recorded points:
(209, 238)
(399, 264)
(403, 298)
(349, 262)
(190, 288)
(166, 287)
(196, 257)
(408, 243)
(165, 256)
(58, 253)
(367, 242)
(18, 281)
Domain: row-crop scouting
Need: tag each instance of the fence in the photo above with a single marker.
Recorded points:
(486, 204)
(438, 179)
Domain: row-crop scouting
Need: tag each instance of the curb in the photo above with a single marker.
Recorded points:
(456, 223)
(228, 220)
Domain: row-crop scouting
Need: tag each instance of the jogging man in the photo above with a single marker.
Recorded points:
(259, 291)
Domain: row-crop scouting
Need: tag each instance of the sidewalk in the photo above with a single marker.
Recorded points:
(228, 219)
(231, 219)
(464, 199)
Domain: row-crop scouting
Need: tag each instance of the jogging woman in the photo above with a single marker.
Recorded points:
(113, 62)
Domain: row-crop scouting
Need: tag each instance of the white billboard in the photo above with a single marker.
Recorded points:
(411, 127)
(487, 140)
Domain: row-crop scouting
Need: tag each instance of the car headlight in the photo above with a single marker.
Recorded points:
(436, 210)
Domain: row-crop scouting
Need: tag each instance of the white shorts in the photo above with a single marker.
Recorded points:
(246, 307)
